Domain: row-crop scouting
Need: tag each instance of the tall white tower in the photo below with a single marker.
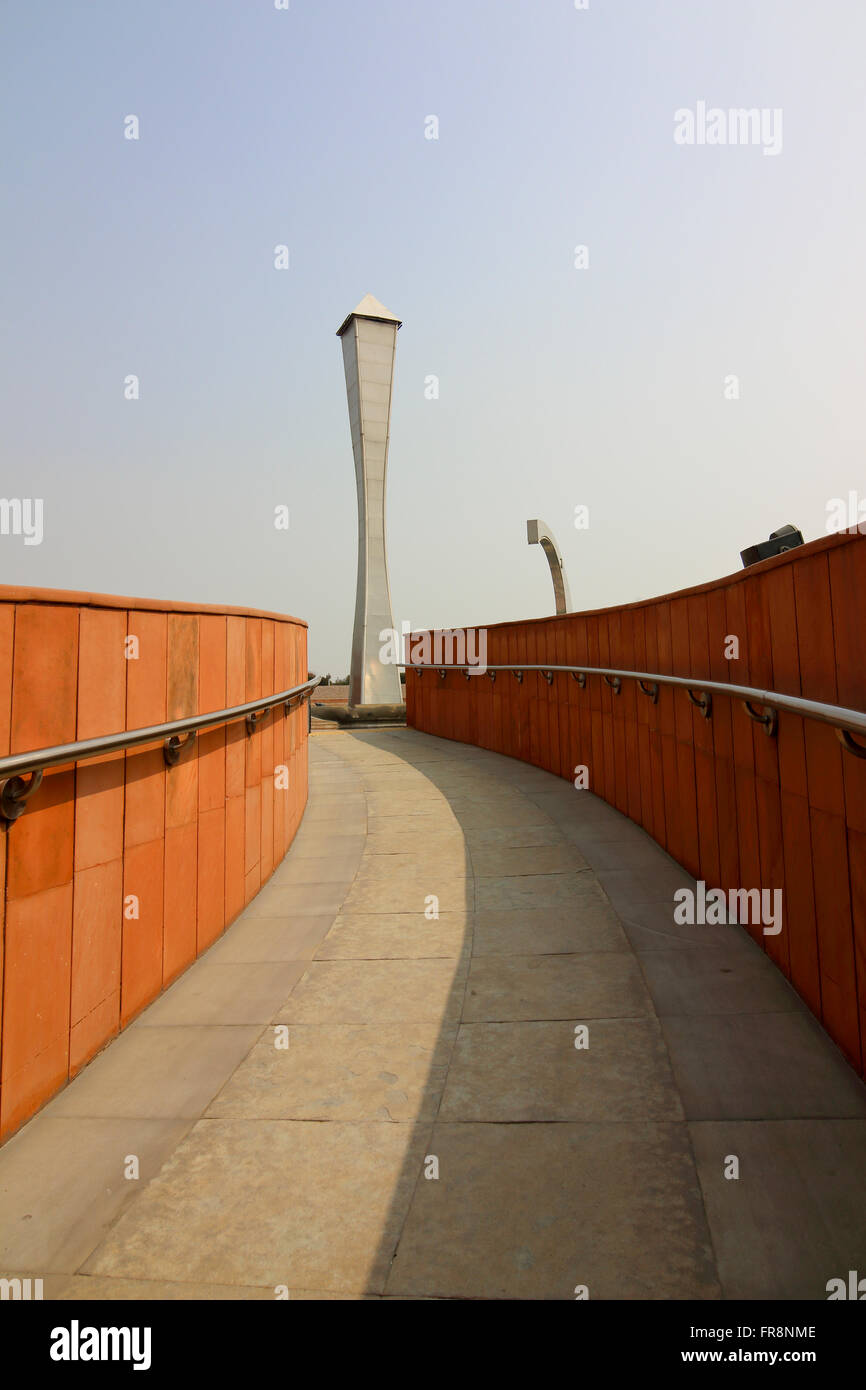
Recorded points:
(369, 337)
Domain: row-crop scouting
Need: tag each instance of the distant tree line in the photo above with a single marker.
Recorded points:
(343, 680)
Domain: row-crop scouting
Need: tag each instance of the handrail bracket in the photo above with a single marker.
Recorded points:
(850, 744)
(174, 746)
(769, 719)
(704, 701)
(15, 793)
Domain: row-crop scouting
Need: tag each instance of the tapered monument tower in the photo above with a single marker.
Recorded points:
(369, 337)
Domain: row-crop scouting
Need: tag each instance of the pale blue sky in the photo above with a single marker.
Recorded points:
(559, 386)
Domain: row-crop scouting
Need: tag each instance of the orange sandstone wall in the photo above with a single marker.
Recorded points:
(733, 806)
(184, 848)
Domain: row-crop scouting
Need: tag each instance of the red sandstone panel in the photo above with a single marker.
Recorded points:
(212, 696)
(581, 718)
(99, 837)
(521, 695)
(266, 735)
(614, 788)
(642, 707)
(631, 627)
(562, 681)
(686, 716)
(847, 588)
(667, 730)
(767, 796)
(532, 683)
(253, 689)
(281, 723)
(97, 930)
(799, 924)
(615, 705)
(536, 653)
(725, 712)
(235, 695)
(180, 896)
(40, 850)
(181, 795)
(235, 869)
(141, 960)
(551, 695)
(181, 802)
(569, 722)
(253, 824)
(145, 705)
(703, 733)
(46, 662)
(101, 710)
(744, 753)
(36, 1001)
(511, 710)
(658, 824)
(592, 695)
(280, 730)
(99, 814)
(211, 874)
(827, 801)
(40, 843)
(268, 659)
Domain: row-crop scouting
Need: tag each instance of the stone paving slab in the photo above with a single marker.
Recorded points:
(528, 1072)
(346, 1098)
(62, 1184)
(398, 936)
(556, 931)
(339, 991)
(607, 985)
(371, 1071)
(793, 1219)
(760, 1066)
(302, 1203)
(157, 1073)
(531, 1211)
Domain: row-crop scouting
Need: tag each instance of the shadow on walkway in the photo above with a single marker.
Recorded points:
(371, 1085)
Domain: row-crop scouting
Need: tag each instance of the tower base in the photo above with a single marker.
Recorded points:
(361, 714)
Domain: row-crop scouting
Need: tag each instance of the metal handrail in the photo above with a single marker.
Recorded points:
(845, 721)
(15, 792)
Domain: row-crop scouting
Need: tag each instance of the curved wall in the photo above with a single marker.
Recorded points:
(121, 871)
(735, 807)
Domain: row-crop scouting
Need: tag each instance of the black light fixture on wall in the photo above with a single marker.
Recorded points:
(786, 538)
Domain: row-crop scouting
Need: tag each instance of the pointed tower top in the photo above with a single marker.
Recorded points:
(369, 308)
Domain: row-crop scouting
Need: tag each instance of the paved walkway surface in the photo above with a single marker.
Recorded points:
(290, 1101)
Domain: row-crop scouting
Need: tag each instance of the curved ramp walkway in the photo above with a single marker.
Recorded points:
(370, 1085)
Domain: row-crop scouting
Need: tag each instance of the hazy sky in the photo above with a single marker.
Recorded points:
(559, 386)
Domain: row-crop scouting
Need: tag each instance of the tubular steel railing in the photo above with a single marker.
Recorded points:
(846, 722)
(15, 792)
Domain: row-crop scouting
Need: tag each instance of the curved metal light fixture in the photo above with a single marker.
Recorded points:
(539, 533)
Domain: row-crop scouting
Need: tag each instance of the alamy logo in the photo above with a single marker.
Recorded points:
(716, 907)
(736, 126)
(448, 647)
(850, 516)
(856, 1288)
(76, 1343)
(22, 516)
(20, 1289)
